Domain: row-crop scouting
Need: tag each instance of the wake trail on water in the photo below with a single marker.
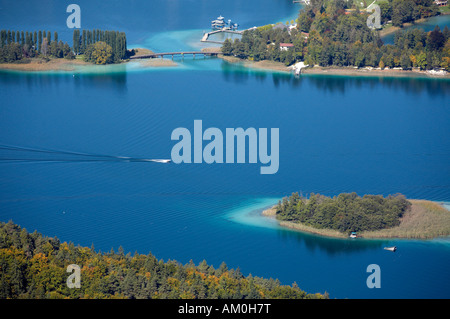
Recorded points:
(56, 156)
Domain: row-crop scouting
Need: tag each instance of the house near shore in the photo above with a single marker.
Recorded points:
(305, 35)
(286, 46)
(441, 3)
(280, 26)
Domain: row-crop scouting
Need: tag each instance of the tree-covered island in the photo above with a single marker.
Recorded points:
(372, 216)
(335, 34)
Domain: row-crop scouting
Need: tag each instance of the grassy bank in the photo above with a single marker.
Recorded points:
(38, 64)
(424, 220)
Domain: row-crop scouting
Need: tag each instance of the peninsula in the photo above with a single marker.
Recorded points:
(333, 37)
(34, 266)
(371, 216)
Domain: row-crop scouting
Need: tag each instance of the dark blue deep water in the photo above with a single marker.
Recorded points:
(337, 134)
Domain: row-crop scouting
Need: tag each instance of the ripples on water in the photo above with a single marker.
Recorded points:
(337, 134)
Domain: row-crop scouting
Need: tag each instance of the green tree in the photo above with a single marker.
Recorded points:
(405, 61)
(83, 42)
(422, 61)
(227, 48)
(39, 41)
(239, 49)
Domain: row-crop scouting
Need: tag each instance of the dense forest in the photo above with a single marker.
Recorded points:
(34, 266)
(100, 47)
(19, 45)
(327, 34)
(345, 213)
(96, 46)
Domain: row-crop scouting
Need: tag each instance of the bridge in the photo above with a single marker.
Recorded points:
(182, 53)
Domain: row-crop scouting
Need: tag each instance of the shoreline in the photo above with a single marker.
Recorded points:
(392, 29)
(40, 65)
(35, 65)
(265, 65)
(335, 70)
(424, 220)
(375, 72)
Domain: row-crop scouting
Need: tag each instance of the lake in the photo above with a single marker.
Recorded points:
(62, 137)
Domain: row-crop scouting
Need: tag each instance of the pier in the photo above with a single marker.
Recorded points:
(182, 53)
(220, 26)
(206, 35)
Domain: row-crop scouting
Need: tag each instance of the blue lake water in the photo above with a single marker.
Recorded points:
(337, 134)
(428, 25)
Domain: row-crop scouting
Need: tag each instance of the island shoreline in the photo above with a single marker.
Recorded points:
(36, 65)
(414, 217)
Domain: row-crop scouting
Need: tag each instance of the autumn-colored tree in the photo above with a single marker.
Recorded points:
(34, 266)
(99, 53)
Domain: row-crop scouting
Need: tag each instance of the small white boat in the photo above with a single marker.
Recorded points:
(165, 161)
(393, 248)
(353, 235)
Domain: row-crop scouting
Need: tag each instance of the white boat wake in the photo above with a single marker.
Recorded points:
(10, 154)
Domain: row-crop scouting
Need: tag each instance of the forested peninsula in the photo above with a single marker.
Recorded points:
(335, 34)
(370, 216)
(34, 266)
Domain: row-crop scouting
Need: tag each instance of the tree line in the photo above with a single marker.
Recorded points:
(345, 213)
(96, 46)
(17, 45)
(100, 46)
(328, 35)
(34, 266)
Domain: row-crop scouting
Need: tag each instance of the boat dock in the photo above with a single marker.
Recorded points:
(220, 26)
(206, 35)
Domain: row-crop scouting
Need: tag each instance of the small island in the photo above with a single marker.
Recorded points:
(43, 51)
(334, 37)
(370, 216)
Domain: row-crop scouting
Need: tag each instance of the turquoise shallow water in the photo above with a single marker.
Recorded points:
(337, 134)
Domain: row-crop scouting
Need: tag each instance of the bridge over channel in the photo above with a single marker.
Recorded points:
(182, 53)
